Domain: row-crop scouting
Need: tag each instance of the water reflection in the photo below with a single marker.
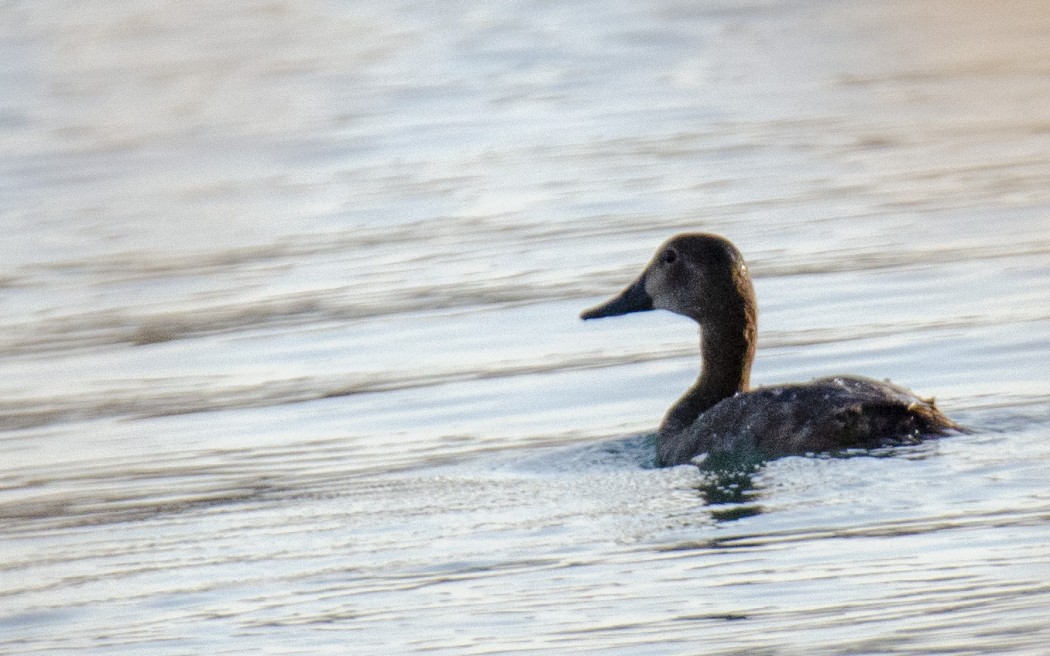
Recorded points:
(727, 487)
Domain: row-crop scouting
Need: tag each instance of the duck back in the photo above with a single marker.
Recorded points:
(827, 414)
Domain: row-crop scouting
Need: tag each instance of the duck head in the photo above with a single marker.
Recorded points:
(700, 276)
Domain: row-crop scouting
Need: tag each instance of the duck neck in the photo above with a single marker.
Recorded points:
(727, 350)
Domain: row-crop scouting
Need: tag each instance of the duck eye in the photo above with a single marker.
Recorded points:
(668, 256)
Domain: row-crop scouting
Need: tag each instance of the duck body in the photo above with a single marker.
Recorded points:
(704, 277)
(827, 414)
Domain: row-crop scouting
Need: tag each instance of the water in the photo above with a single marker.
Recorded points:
(290, 349)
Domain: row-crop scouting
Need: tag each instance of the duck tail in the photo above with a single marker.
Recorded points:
(931, 421)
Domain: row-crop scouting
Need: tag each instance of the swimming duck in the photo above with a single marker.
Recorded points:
(704, 277)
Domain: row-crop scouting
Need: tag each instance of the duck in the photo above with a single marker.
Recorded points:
(704, 277)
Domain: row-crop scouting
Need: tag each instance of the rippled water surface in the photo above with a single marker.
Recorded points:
(290, 345)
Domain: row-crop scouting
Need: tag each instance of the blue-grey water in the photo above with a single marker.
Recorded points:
(290, 350)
